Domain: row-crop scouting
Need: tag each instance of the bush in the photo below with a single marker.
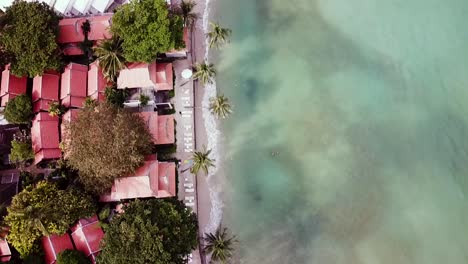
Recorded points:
(56, 109)
(152, 231)
(69, 256)
(19, 110)
(147, 29)
(144, 99)
(106, 143)
(21, 151)
(43, 210)
(116, 96)
(29, 36)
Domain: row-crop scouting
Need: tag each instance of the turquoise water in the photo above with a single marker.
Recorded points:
(366, 102)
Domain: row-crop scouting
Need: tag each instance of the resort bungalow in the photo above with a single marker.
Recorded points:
(71, 34)
(157, 76)
(87, 235)
(45, 137)
(45, 90)
(73, 88)
(96, 82)
(153, 179)
(5, 252)
(161, 127)
(55, 244)
(11, 86)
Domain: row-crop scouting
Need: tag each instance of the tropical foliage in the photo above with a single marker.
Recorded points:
(186, 10)
(153, 231)
(56, 109)
(220, 106)
(29, 32)
(219, 245)
(105, 143)
(110, 57)
(204, 72)
(147, 28)
(144, 100)
(201, 161)
(70, 256)
(218, 35)
(19, 110)
(43, 210)
(116, 97)
(21, 150)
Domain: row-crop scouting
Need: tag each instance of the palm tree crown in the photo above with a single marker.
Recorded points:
(186, 10)
(204, 72)
(110, 55)
(219, 245)
(201, 161)
(218, 35)
(220, 106)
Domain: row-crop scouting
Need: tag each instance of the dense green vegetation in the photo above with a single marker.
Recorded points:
(154, 231)
(116, 97)
(147, 28)
(69, 256)
(28, 36)
(21, 151)
(106, 143)
(110, 57)
(19, 110)
(42, 210)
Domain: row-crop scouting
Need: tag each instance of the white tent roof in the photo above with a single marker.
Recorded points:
(82, 6)
(101, 5)
(63, 6)
(5, 3)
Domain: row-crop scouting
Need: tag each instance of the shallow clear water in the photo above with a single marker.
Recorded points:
(366, 103)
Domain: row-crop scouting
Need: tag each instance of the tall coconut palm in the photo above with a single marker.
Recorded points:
(109, 53)
(220, 106)
(220, 245)
(218, 35)
(201, 160)
(186, 10)
(204, 72)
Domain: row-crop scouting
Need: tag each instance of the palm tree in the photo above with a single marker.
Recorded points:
(201, 161)
(110, 55)
(204, 72)
(218, 35)
(186, 10)
(220, 245)
(220, 106)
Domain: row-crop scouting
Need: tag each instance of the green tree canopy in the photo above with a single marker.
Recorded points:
(43, 210)
(29, 31)
(147, 28)
(21, 151)
(153, 231)
(105, 143)
(69, 256)
(19, 110)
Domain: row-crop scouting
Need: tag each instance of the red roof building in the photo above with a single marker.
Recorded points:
(5, 252)
(153, 179)
(73, 88)
(45, 137)
(161, 127)
(96, 82)
(87, 235)
(11, 86)
(143, 75)
(45, 90)
(53, 245)
(70, 29)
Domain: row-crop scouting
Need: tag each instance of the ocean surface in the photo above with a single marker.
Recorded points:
(349, 139)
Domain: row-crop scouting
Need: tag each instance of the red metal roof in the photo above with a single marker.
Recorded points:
(146, 181)
(73, 88)
(164, 77)
(6, 98)
(161, 127)
(5, 253)
(45, 90)
(96, 82)
(69, 116)
(70, 28)
(72, 49)
(53, 245)
(45, 137)
(11, 85)
(87, 236)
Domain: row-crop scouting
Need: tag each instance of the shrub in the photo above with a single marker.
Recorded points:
(69, 256)
(144, 99)
(19, 110)
(56, 109)
(116, 96)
